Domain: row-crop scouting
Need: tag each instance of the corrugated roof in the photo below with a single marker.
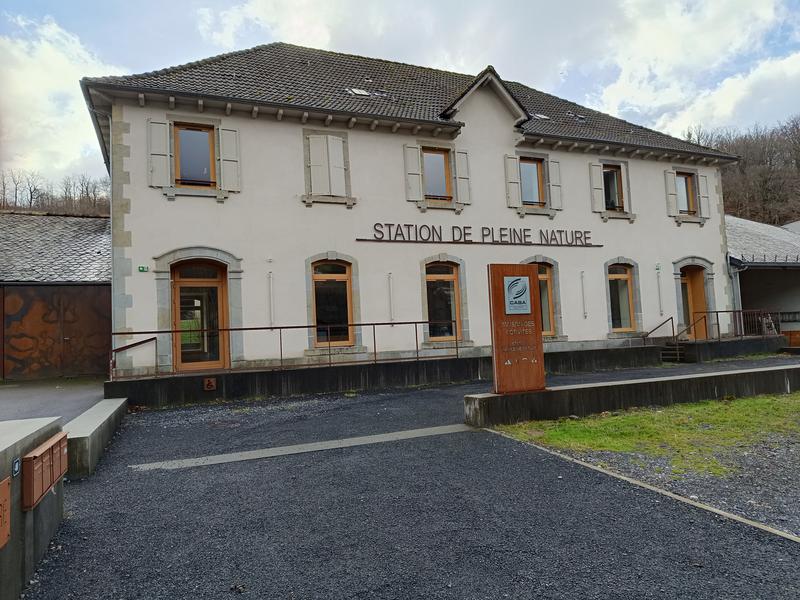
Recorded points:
(307, 78)
(53, 249)
(758, 243)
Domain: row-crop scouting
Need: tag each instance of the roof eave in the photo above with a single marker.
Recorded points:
(617, 147)
(444, 124)
(104, 144)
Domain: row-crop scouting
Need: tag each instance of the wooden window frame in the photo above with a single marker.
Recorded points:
(448, 174)
(221, 283)
(628, 276)
(547, 277)
(539, 162)
(620, 206)
(348, 278)
(456, 298)
(212, 155)
(688, 180)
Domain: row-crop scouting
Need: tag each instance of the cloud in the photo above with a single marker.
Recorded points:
(44, 123)
(669, 52)
(765, 94)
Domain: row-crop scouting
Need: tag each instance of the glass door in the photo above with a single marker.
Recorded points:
(199, 300)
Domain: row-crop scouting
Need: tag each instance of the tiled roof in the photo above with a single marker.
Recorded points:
(51, 249)
(758, 243)
(295, 76)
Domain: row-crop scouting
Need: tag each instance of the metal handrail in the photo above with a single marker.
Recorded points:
(684, 330)
(329, 343)
(112, 362)
(670, 320)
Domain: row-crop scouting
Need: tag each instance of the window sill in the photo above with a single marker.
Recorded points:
(528, 209)
(617, 214)
(172, 192)
(310, 199)
(428, 344)
(424, 205)
(681, 219)
(334, 350)
(555, 338)
(617, 335)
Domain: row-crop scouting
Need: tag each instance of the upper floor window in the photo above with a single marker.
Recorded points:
(187, 158)
(612, 188)
(684, 185)
(436, 174)
(531, 175)
(194, 155)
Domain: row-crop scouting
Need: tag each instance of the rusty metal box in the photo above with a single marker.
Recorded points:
(39, 473)
(5, 511)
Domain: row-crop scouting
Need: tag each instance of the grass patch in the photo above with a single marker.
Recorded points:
(694, 436)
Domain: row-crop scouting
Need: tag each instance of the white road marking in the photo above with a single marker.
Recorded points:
(218, 459)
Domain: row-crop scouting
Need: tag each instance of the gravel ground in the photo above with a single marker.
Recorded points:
(467, 515)
(762, 484)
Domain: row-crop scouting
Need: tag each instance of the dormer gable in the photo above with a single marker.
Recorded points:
(489, 78)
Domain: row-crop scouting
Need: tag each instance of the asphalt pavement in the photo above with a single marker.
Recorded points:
(463, 515)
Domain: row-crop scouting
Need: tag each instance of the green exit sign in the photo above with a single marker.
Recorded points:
(143, 269)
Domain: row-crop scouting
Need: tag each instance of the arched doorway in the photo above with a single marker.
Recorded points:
(694, 305)
(199, 310)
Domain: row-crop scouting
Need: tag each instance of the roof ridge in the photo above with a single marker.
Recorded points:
(252, 49)
(193, 63)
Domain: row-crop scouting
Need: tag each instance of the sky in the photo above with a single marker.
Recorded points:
(667, 65)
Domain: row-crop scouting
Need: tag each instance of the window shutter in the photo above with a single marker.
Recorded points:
(336, 166)
(413, 164)
(159, 154)
(513, 191)
(554, 185)
(598, 198)
(672, 192)
(705, 205)
(463, 194)
(228, 175)
(318, 165)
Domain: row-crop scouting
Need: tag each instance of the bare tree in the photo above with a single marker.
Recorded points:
(4, 189)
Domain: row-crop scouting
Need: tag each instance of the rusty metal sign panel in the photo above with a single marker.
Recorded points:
(517, 349)
(5, 511)
(52, 331)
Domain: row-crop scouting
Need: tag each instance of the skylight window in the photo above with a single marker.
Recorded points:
(541, 117)
(358, 92)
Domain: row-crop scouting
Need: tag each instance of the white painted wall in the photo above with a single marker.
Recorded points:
(270, 229)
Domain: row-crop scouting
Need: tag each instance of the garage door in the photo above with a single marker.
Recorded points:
(55, 331)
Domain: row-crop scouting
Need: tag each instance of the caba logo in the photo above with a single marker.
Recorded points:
(517, 295)
(517, 289)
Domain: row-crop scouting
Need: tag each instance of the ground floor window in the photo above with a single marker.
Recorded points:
(333, 303)
(620, 289)
(441, 288)
(199, 308)
(546, 299)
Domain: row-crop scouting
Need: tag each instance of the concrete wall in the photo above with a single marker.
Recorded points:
(272, 231)
(31, 531)
(484, 410)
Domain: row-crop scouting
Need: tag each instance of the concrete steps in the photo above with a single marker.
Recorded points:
(89, 433)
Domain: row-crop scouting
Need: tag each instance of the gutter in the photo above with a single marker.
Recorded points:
(93, 112)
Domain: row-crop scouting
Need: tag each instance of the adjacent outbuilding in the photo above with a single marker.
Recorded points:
(55, 295)
(765, 270)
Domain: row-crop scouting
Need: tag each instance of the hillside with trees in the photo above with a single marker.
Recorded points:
(22, 190)
(765, 184)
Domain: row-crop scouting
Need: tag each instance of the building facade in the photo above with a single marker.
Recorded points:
(360, 201)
